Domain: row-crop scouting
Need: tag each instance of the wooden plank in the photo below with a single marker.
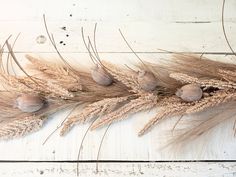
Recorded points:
(112, 10)
(170, 25)
(143, 36)
(175, 169)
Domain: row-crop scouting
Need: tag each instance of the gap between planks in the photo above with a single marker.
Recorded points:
(116, 161)
(106, 52)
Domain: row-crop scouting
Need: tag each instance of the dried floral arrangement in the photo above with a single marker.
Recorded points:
(181, 85)
(176, 86)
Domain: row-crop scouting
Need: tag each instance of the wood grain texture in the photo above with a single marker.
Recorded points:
(209, 169)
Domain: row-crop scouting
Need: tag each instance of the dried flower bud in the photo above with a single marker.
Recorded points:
(147, 80)
(29, 103)
(190, 92)
(100, 76)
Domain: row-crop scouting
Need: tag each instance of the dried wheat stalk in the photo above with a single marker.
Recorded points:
(228, 75)
(220, 97)
(63, 75)
(20, 126)
(27, 85)
(184, 78)
(142, 103)
(93, 110)
(170, 110)
(127, 77)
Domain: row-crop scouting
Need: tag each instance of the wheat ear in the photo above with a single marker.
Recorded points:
(144, 102)
(63, 75)
(93, 110)
(228, 75)
(216, 99)
(127, 77)
(184, 78)
(173, 109)
(20, 127)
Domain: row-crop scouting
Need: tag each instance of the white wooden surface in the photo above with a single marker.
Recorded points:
(121, 169)
(183, 26)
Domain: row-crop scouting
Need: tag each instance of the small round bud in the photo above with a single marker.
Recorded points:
(100, 76)
(190, 92)
(147, 80)
(29, 103)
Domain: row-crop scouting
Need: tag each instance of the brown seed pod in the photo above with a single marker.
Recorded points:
(147, 80)
(190, 92)
(29, 103)
(100, 76)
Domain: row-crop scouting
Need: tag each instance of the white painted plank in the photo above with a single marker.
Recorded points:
(194, 169)
(113, 10)
(143, 36)
(172, 25)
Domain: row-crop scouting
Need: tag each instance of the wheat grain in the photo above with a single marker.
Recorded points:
(172, 109)
(216, 99)
(93, 110)
(27, 85)
(20, 127)
(58, 90)
(128, 78)
(144, 102)
(228, 75)
(63, 75)
(184, 78)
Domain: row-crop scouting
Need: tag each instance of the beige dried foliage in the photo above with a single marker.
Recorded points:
(91, 111)
(184, 78)
(191, 65)
(92, 92)
(58, 73)
(205, 123)
(228, 75)
(65, 86)
(20, 126)
(23, 84)
(218, 98)
(144, 102)
(79, 82)
(15, 123)
(169, 110)
(127, 77)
